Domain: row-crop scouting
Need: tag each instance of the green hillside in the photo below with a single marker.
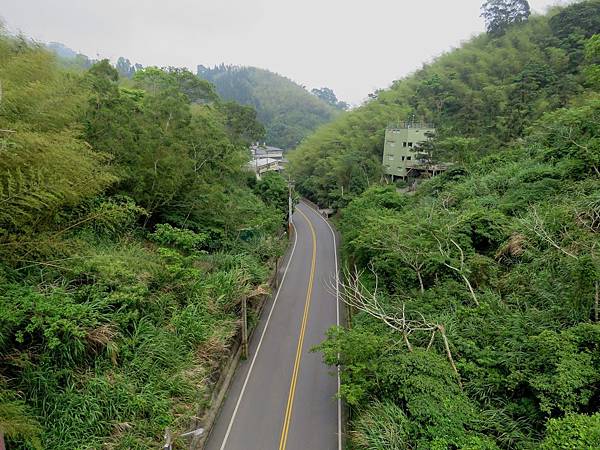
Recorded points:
(288, 111)
(475, 301)
(480, 97)
(129, 231)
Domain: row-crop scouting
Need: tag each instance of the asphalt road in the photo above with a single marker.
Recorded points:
(283, 396)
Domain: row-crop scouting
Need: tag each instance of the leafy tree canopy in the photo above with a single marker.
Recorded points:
(326, 94)
(500, 14)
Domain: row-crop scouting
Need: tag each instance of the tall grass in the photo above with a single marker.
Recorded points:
(121, 341)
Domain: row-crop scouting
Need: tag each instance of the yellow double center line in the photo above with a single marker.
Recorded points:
(290, 402)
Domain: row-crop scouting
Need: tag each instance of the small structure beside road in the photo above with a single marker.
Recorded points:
(265, 159)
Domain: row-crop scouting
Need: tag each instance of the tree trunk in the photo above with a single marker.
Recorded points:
(597, 301)
(420, 281)
(449, 353)
(470, 289)
(408, 344)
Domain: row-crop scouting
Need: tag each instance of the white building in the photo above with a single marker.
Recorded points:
(266, 158)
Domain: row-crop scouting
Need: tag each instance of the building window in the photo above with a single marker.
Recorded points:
(410, 144)
(408, 158)
(404, 144)
(403, 158)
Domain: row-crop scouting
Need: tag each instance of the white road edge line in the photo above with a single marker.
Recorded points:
(262, 335)
(337, 312)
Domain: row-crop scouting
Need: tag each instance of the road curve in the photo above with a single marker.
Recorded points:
(283, 397)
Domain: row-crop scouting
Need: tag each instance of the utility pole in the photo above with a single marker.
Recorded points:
(290, 206)
(245, 327)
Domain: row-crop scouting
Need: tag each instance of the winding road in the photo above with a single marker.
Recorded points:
(283, 397)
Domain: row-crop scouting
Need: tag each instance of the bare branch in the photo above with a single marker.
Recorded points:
(539, 228)
(589, 216)
(460, 270)
(356, 295)
(431, 340)
(442, 331)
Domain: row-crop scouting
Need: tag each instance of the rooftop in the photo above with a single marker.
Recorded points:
(261, 162)
(265, 148)
(406, 125)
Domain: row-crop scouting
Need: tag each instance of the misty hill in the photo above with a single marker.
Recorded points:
(62, 50)
(68, 58)
(288, 111)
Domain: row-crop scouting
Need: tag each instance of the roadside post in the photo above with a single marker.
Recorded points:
(245, 327)
(289, 207)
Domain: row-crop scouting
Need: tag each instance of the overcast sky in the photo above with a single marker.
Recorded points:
(352, 46)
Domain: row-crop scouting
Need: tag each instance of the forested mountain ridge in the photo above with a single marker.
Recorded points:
(288, 111)
(475, 301)
(480, 97)
(129, 230)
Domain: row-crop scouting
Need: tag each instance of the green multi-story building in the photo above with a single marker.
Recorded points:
(399, 155)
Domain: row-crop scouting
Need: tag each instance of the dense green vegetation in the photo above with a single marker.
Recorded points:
(501, 259)
(476, 300)
(129, 230)
(288, 111)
